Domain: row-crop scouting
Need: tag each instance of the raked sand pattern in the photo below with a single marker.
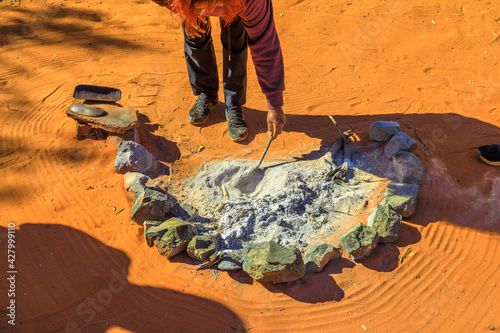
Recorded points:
(432, 66)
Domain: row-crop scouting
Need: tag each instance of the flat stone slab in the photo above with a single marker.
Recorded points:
(113, 118)
(97, 93)
(359, 241)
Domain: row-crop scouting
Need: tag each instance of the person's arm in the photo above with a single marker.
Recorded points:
(267, 57)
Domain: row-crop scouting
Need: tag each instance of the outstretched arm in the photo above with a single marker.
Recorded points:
(267, 57)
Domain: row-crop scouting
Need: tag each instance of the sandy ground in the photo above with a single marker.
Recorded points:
(81, 264)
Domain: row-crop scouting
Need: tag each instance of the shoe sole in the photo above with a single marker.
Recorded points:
(240, 139)
(478, 154)
(197, 123)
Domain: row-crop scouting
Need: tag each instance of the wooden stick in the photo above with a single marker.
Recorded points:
(338, 128)
(416, 135)
(265, 151)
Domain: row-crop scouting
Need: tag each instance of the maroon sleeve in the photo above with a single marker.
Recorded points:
(265, 48)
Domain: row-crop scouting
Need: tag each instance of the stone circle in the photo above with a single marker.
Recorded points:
(242, 218)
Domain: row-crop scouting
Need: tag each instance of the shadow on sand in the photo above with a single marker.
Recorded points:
(67, 281)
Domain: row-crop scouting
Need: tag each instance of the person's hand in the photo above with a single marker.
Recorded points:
(275, 121)
(195, 30)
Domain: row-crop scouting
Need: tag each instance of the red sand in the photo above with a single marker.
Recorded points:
(432, 65)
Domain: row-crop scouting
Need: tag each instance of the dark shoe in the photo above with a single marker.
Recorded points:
(236, 125)
(201, 109)
(489, 154)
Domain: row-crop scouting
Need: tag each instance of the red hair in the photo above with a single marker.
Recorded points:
(187, 11)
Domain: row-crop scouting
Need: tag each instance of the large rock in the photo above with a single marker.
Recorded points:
(184, 211)
(399, 142)
(383, 131)
(231, 262)
(201, 247)
(135, 183)
(152, 204)
(319, 255)
(359, 241)
(170, 237)
(401, 197)
(146, 225)
(269, 261)
(132, 157)
(408, 167)
(387, 222)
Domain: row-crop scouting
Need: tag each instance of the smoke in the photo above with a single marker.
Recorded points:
(478, 203)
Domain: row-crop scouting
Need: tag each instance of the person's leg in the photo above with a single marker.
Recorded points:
(203, 74)
(201, 62)
(234, 62)
(234, 42)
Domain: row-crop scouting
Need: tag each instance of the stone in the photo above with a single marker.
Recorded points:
(135, 183)
(231, 262)
(317, 256)
(146, 225)
(152, 204)
(116, 119)
(408, 167)
(269, 261)
(359, 241)
(399, 142)
(87, 110)
(132, 157)
(201, 247)
(402, 197)
(170, 237)
(383, 131)
(387, 222)
(184, 211)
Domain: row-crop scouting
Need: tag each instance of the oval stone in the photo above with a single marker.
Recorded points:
(87, 110)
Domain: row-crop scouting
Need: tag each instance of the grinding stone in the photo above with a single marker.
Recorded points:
(87, 110)
(117, 119)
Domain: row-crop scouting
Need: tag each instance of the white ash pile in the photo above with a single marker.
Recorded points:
(289, 203)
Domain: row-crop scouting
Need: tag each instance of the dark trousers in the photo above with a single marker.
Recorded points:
(202, 65)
